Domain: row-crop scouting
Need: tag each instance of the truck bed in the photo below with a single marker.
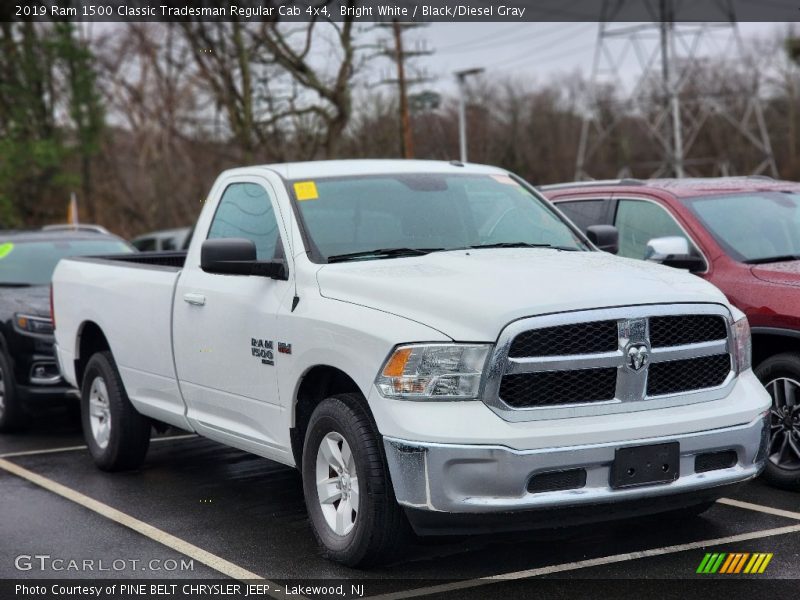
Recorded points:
(129, 298)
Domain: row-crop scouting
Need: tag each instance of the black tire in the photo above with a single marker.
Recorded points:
(12, 414)
(128, 432)
(783, 474)
(380, 529)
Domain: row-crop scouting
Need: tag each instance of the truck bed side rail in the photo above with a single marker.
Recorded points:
(162, 259)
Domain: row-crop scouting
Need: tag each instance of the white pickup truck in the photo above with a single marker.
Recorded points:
(429, 343)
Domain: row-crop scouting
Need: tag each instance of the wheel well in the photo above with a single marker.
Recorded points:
(91, 340)
(770, 344)
(317, 384)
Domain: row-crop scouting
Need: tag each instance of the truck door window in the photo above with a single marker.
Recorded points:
(639, 221)
(584, 212)
(245, 211)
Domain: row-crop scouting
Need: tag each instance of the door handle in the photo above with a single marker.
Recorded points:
(195, 299)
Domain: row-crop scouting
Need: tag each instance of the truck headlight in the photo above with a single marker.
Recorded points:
(742, 346)
(433, 372)
(30, 324)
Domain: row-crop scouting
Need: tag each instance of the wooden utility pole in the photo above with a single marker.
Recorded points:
(406, 136)
(400, 56)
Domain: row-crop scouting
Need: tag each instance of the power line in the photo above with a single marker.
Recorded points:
(543, 59)
(489, 36)
(498, 43)
(530, 50)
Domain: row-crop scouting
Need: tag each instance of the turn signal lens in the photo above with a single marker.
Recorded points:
(397, 363)
(439, 372)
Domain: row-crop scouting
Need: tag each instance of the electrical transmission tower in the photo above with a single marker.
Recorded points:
(674, 100)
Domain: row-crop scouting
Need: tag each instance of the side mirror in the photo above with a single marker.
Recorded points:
(237, 256)
(674, 251)
(605, 237)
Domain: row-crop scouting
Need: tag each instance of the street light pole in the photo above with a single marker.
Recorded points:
(461, 77)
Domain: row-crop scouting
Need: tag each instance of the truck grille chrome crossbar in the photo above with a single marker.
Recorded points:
(611, 360)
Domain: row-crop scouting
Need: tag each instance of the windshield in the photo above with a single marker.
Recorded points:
(33, 262)
(758, 227)
(356, 215)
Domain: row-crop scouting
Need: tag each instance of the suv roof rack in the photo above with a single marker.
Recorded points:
(80, 227)
(594, 182)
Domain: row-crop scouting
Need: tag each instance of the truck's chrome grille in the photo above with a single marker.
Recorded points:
(687, 374)
(558, 387)
(595, 362)
(686, 329)
(582, 338)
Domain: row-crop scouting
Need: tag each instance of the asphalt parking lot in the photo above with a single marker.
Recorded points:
(234, 515)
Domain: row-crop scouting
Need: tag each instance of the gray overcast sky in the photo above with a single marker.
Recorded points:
(531, 51)
(539, 51)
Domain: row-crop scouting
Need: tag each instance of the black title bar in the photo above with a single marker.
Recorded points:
(403, 10)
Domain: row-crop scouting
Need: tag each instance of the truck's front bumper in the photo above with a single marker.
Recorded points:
(495, 479)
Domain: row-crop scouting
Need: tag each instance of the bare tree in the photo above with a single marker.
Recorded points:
(276, 96)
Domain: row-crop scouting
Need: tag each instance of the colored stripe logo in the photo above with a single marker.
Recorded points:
(735, 562)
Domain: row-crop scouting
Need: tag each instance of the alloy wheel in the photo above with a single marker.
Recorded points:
(784, 444)
(99, 412)
(337, 483)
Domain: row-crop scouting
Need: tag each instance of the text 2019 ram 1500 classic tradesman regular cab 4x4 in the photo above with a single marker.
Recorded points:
(429, 343)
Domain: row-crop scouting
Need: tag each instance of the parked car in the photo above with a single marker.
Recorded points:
(428, 343)
(29, 376)
(743, 235)
(164, 241)
(76, 227)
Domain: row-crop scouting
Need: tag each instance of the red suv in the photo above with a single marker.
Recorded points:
(743, 235)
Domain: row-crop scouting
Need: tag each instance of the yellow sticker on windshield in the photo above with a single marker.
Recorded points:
(306, 190)
(5, 249)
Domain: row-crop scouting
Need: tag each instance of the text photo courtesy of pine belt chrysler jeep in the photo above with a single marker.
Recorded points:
(743, 235)
(431, 344)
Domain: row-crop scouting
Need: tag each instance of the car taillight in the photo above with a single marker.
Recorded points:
(52, 310)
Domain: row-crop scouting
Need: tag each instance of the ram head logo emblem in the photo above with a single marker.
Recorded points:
(637, 356)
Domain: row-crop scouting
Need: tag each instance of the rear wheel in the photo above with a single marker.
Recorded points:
(348, 492)
(117, 435)
(780, 374)
(12, 415)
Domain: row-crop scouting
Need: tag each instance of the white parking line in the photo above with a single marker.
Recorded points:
(583, 564)
(217, 563)
(73, 448)
(760, 508)
(44, 451)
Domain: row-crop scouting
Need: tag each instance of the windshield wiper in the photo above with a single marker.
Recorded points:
(382, 253)
(772, 259)
(522, 245)
(14, 284)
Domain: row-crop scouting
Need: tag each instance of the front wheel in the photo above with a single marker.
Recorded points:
(780, 374)
(117, 435)
(348, 492)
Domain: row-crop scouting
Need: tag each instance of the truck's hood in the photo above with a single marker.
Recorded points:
(783, 273)
(30, 300)
(471, 295)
